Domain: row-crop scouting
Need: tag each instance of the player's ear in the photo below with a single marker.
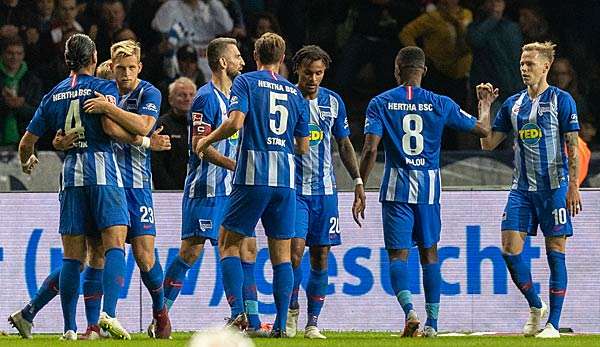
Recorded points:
(140, 67)
(223, 63)
(282, 59)
(255, 56)
(424, 70)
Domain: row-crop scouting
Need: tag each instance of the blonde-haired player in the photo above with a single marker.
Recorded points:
(545, 188)
(104, 70)
(136, 114)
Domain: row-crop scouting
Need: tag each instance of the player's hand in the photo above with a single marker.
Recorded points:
(359, 205)
(159, 142)
(201, 146)
(64, 142)
(30, 164)
(99, 104)
(486, 92)
(574, 205)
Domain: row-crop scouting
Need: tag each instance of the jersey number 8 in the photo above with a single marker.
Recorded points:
(275, 108)
(412, 124)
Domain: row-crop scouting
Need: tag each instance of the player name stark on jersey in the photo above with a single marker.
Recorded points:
(275, 112)
(314, 170)
(539, 126)
(410, 122)
(205, 179)
(135, 161)
(92, 161)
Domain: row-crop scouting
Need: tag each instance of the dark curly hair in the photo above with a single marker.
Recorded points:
(79, 51)
(308, 54)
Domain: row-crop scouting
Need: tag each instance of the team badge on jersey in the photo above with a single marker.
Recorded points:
(315, 134)
(530, 134)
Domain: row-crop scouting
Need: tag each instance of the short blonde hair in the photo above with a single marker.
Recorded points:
(179, 81)
(269, 48)
(546, 49)
(104, 71)
(124, 49)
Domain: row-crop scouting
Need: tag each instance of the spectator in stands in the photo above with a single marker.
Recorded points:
(194, 23)
(496, 45)
(187, 60)
(15, 18)
(124, 34)
(169, 168)
(564, 77)
(373, 39)
(20, 93)
(443, 33)
(235, 12)
(263, 23)
(54, 69)
(41, 24)
(534, 25)
(112, 20)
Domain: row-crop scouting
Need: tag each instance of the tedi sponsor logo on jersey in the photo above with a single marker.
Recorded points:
(233, 139)
(530, 134)
(315, 134)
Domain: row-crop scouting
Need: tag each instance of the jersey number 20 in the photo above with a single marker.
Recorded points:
(412, 124)
(278, 109)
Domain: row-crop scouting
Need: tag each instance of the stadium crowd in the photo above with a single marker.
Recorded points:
(466, 42)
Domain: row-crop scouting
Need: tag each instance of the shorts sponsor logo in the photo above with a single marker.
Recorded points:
(530, 134)
(205, 224)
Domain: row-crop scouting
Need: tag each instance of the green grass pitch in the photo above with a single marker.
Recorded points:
(335, 339)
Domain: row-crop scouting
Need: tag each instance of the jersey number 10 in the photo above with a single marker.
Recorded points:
(412, 124)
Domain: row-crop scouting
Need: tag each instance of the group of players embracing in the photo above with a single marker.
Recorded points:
(262, 150)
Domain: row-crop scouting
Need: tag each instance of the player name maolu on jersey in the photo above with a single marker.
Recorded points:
(72, 94)
(277, 86)
(400, 106)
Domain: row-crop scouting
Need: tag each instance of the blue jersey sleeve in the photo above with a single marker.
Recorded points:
(567, 113)
(373, 122)
(458, 119)
(502, 122)
(340, 126)
(240, 91)
(39, 123)
(109, 90)
(150, 103)
(301, 129)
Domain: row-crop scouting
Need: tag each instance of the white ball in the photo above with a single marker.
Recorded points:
(220, 338)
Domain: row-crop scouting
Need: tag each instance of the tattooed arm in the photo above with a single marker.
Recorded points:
(573, 197)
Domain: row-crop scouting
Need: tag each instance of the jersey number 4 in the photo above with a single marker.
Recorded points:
(73, 124)
(412, 124)
(280, 110)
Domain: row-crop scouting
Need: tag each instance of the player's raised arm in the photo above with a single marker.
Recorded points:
(486, 94)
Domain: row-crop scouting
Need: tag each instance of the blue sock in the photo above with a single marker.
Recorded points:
(92, 294)
(153, 280)
(233, 278)
(113, 279)
(250, 295)
(521, 276)
(432, 280)
(283, 282)
(44, 295)
(174, 278)
(297, 280)
(399, 279)
(558, 285)
(315, 294)
(69, 292)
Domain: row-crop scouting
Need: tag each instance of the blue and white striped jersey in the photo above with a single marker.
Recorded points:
(539, 126)
(134, 161)
(92, 161)
(204, 179)
(275, 112)
(410, 121)
(314, 170)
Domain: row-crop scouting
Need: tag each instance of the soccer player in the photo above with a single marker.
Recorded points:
(410, 121)
(273, 118)
(317, 215)
(136, 114)
(545, 189)
(208, 181)
(91, 197)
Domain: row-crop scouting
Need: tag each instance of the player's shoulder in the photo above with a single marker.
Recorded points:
(329, 93)
(559, 93)
(511, 100)
(202, 95)
(149, 87)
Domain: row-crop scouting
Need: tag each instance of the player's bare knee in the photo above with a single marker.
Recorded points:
(297, 247)
(512, 242)
(398, 254)
(248, 250)
(229, 243)
(74, 247)
(428, 255)
(114, 237)
(556, 244)
(96, 258)
(190, 250)
(279, 251)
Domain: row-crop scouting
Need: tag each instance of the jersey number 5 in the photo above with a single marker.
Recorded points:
(412, 124)
(278, 109)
